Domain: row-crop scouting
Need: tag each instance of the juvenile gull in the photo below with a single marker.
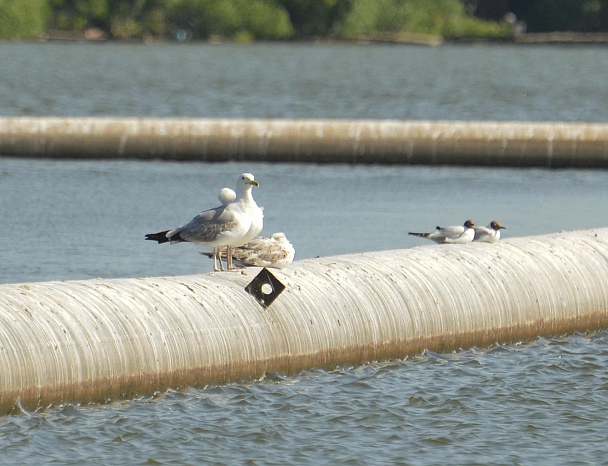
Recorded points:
(227, 225)
(451, 235)
(274, 252)
(489, 234)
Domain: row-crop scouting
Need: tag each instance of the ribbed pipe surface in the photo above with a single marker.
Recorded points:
(90, 341)
(517, 144)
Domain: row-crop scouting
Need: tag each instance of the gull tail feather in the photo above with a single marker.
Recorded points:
(162, 237)
(422, 235)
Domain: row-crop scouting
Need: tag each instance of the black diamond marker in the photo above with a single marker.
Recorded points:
(265, 288)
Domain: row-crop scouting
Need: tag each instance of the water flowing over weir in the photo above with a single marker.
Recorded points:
(94, 340)
(486, 143)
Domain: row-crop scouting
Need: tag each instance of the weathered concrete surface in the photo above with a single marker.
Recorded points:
(95, 340)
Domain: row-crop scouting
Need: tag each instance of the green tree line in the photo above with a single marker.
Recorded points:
(245, 20)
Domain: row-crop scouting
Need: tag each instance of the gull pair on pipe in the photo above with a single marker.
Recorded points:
(275, 252)
(232, 224)
(462, 234)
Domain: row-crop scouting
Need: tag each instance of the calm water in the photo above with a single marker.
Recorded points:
(86, 219)
(539, 402)
(305, 81)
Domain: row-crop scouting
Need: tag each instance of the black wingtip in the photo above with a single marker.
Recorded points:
(161, 237)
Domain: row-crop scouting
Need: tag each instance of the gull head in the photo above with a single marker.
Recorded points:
(495, 225)
(280, 237)
(469, 224)
(226, 196)
(246, 180)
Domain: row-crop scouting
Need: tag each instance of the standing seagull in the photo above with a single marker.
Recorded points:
(452, 235)
(489, 234)
(227, 225)
(275, 252)
(257, 223)
(225, 196)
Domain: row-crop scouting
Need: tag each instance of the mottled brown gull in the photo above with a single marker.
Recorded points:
(274, 252)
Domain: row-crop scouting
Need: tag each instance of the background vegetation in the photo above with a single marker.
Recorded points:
(245, 20)
(23, 19)
(447, 18)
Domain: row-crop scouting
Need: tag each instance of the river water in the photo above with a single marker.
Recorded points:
(306, 81)
(538, 402)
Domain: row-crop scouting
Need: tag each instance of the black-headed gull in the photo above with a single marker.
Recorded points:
(489, 234)
(227, 225)
(451, 235)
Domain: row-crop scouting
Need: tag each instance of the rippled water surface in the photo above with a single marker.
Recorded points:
(540, 402)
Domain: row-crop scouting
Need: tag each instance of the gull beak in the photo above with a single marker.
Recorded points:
(254, 183)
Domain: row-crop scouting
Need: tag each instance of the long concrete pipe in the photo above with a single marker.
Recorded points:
(95, 340)
(516, 144)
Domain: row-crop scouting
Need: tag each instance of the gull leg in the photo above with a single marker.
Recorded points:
(215, 251)
(220, 256)
(229, 258)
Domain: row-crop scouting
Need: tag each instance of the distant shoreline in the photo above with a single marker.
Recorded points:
(563, 38)
(537, 38)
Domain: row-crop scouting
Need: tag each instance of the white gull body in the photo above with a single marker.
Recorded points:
(459, 234)
(489, 234)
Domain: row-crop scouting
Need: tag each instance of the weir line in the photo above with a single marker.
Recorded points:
(483, 143)
(104, 339)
